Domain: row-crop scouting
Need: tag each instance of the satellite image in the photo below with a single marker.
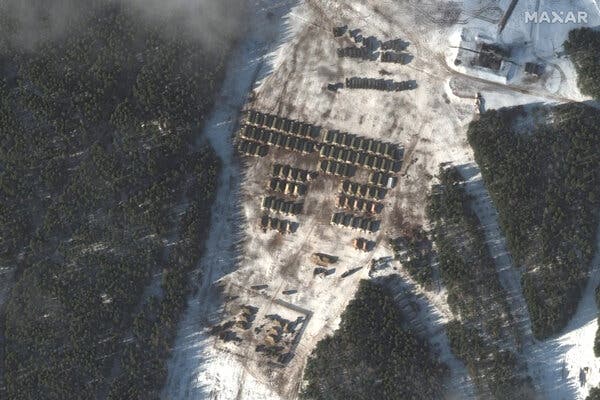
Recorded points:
(299, 199)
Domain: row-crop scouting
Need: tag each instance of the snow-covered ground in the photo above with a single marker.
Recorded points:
(290, 53)
(196, 369)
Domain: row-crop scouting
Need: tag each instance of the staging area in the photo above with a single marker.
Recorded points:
(307, 183)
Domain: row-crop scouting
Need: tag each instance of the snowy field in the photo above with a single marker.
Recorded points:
(283, 66)
(197, 370)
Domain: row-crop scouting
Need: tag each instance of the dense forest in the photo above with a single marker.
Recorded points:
(466, 267)
(546, 185)
(373, 355)
(105, 194)
(594, 394)
(415, 251)
(495, 369)
(484, 325)
(583, 46)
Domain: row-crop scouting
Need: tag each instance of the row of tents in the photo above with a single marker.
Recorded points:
(394, 44)
(392, 51)
(355, 34)
(359, 159)
(283, 226)
(278, 139)
(359, 205)
(254, 149)
(290, 173)
(363, 53)
(367, 145)
(371, 41)
(356, 222)
(396, 58)
(280, 205)
(382, 179)
(285, 125)
(362, 190)
(363, 244)
(367, 46)
(337, 168)
(287, 187)
(388, 85)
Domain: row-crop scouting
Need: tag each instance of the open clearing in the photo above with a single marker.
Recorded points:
(287, 60)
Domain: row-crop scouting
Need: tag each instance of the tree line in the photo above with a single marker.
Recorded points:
(373, 355)
(583, 46)
(546, 186)
(100, 171)
(484, 327)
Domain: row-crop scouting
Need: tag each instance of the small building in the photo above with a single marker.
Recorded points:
(535, 69)
(491, 56)
(362, 244)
